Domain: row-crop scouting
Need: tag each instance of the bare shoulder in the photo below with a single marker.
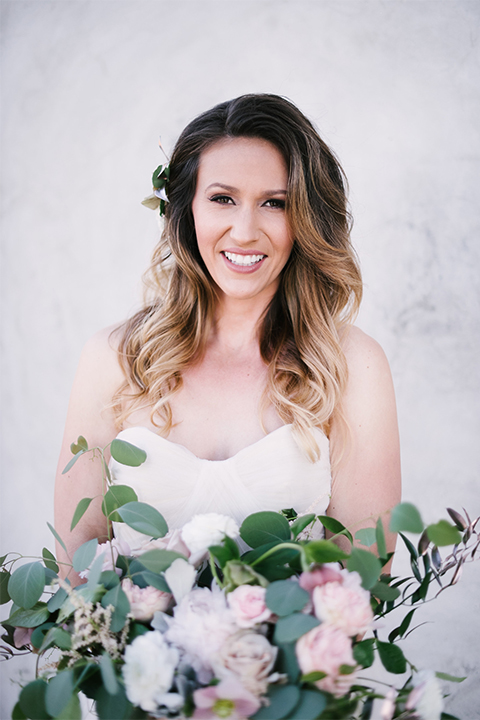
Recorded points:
(100, 361)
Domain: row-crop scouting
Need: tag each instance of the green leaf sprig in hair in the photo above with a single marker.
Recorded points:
(160, 178)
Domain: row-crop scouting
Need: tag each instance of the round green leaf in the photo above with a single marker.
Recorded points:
(443, 533)
(406, 518)
(324, 551)
(32, 700)
(363, 652)
(72, 710)
(57, 600)
(290, 628)
(33, 617)
(17, 713)
(392, 657)
(284, 597)
(26, 584)
(385, 592)
(158, 561)
(144, 518)
(366, 536)
(283, 699)
(83, 557)
(4, 578)
(112, 707)
(59, 692)
(367, 565)
(126, 453)
(115, 497)
(265, 527)
(311, 704)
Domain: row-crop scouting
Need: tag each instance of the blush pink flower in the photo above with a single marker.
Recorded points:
(228, 699)
(345, 605)
(319, 576)
(145, 602)
(325, 649)
(22, 636)
(248, 605)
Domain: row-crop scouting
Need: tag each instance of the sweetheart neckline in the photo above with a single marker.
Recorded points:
(192, 454)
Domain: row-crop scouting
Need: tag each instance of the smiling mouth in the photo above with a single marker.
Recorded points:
(243, 260)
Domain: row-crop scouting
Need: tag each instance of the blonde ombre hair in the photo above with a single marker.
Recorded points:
(319, 292)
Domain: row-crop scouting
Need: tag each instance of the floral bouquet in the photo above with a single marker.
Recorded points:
(219, 621)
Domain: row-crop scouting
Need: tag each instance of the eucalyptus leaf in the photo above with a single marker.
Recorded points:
(49, 560)
(126, 453)
(146, 578)
(384, 592)
(283, 699)
(158, 561)
(80, 510)
(4, 580)
(284, 597)
(72, 710)
(115, 497)
(95, 572)
(57, 637)
(287, 662)
(324, 551)
(363, 652)
(119, 600)
(443, 533)
(290, 628)
(366, 564)
(32, 700)
(17, 713)
(144, 518)
(30, 618)
(85, 554)
(265, 527)
(380, 538)
(366, 536)
(26, 584)
(312, 704)
(57, 600)
(81, 444)
(392, 657)
(72, 462)
(108, 674)
(406, 518)
(300, 524)
(59, 692)
(57, 536)
(113, 707)
(335, 526)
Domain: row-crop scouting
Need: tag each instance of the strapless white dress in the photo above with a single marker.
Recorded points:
(272, 474)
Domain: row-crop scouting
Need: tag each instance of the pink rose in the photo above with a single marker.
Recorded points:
(145, 602)
(321, 575)
(248, 605)
(228, 699)
(326, 649)
(345, 605)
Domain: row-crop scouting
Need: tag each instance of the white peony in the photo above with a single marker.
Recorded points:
(149, 669)
(200, 625)
(249, 657)
(426, 697)
(209, 529)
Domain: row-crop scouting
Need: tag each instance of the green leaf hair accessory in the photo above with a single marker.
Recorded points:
(160, 178)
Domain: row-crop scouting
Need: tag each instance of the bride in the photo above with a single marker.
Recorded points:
(242, 377)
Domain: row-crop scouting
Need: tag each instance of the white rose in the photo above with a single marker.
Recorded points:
(250, 657)
(209, 529)
(148, 671)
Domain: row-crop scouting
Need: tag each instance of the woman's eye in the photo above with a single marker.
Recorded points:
(276, 203)
(222, 199)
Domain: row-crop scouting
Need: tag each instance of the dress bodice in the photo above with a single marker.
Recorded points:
(272, 474)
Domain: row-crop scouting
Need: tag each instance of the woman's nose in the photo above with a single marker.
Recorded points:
(245, 227)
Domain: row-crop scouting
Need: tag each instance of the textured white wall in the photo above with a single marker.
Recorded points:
(88, 87)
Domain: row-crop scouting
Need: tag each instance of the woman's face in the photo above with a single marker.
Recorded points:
(239, 211)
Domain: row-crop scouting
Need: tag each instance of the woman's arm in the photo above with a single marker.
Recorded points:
(98, 376)
(366, 456)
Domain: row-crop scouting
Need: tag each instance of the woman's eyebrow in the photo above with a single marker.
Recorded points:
(230, 188)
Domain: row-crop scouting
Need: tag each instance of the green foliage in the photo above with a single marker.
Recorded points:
(57, 536)
(80, 510)
(108, 674)
(450, 678)
(116, 497)
(323, 551)
(363, 652)
(119, 600)
(59, 692)
(30, 618)
(265, 527)
(49, 560)
(81, 444)
(443, 533)
(144, 518)
(85, 554)
(26, 584)
(366, 564)
(32, 700)
(158, 561)
(335, 526)
(127, 454)
(4, 580)
(311, 704)
(392, 657)
(406, 518)
(366, 536)
(72, 462)
(283, 699)
(284, 597)
(300, 524)
(290, 628)
(385, 592)
(380, 538)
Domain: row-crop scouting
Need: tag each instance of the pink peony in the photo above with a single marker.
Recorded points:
(248, 605)
(326, 649)
(321, 575)
(110, 551)
(200, 625)
(145, 602)
(228, 699)
(345, 605)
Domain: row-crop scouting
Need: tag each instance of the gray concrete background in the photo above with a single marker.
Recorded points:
(88, 87)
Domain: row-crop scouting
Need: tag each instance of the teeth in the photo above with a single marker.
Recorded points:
(243, 259)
